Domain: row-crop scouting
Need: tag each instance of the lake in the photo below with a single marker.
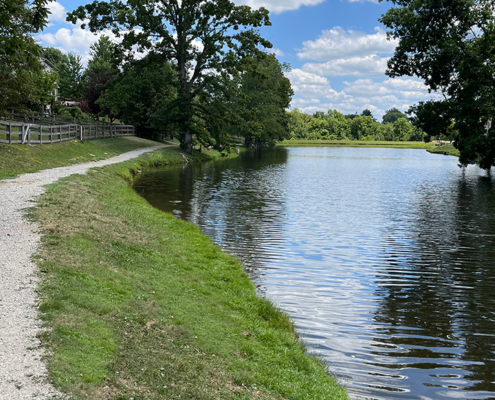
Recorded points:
(384, 258)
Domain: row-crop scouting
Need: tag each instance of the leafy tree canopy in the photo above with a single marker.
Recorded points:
(100, 72)
(20, 69)
(268, 94)
(393, 115)
(102, 55)
(70, 72)
(450, 45)
(55, 56)
(204, 39)
(142, 94)
(18, 19)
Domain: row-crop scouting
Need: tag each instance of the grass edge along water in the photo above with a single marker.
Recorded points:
(139, 304)
(356, 143)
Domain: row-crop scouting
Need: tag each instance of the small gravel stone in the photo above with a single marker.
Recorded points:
(23, 374)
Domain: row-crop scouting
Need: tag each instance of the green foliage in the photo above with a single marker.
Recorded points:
(267, 95)
(18, 20)
(206, 40)
(70, 72)
(402, 130)
(100, 72)
(356, 143)
(72, 83)
(393, 115)
(20, 69)
(367, 113)
(450, 44)
(102, 55)
(142, 95)
(360, 127)
(298, 124)
(336, 126)
(55, 56)
(446, 149)
(26, 86)
(74, 112)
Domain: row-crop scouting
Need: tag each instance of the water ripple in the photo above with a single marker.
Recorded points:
(384, 258)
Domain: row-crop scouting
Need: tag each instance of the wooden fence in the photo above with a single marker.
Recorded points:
(25, 132)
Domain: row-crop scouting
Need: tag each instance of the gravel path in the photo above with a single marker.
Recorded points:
(22, 372)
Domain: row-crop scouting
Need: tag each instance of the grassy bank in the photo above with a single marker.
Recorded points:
(17, 159)
(446, 149)
(141, 305)
(355, 143)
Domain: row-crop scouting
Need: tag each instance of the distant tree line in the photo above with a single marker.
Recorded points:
(334, 125)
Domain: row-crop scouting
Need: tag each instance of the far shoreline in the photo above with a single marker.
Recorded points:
(356, 143)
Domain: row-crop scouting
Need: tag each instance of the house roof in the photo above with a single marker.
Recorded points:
(48, 63)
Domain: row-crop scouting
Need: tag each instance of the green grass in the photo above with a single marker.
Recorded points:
(446, 149)
(141, 305)
(17, 159)
(356, 143)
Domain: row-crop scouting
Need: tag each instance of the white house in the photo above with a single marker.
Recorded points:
(49, 67)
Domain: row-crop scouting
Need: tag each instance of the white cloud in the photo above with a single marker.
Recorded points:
(400, 87)
(336, 43)
(58, 13)
(306, 84)
(346, 53)
(277, 52)
(75, 40)
(278, 6)
(314, 93)
(373, 65)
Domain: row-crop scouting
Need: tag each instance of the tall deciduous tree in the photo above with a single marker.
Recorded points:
(392, 115)
(204, 38)
(100, 72)
(450, 45)
(268, 95)
(70, 72)
(142, 94)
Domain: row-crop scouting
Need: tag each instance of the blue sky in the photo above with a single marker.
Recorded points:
(337, 50)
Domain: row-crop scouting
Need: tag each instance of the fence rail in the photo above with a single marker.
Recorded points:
(54, 119)
(25, 132)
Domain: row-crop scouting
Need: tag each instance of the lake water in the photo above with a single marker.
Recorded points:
(384, 258)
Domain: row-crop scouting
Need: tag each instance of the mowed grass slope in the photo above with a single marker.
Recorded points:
(141, 305)
(356, 143)
(18, 159)
(446, 149)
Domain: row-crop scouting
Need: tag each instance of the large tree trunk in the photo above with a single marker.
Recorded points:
(188, 141)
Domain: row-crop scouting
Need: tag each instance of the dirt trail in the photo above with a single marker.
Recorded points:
(22, 372)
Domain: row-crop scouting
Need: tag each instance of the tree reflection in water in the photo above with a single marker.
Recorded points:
(437, 291)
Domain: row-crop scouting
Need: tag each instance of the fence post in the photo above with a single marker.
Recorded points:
(10, 133)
